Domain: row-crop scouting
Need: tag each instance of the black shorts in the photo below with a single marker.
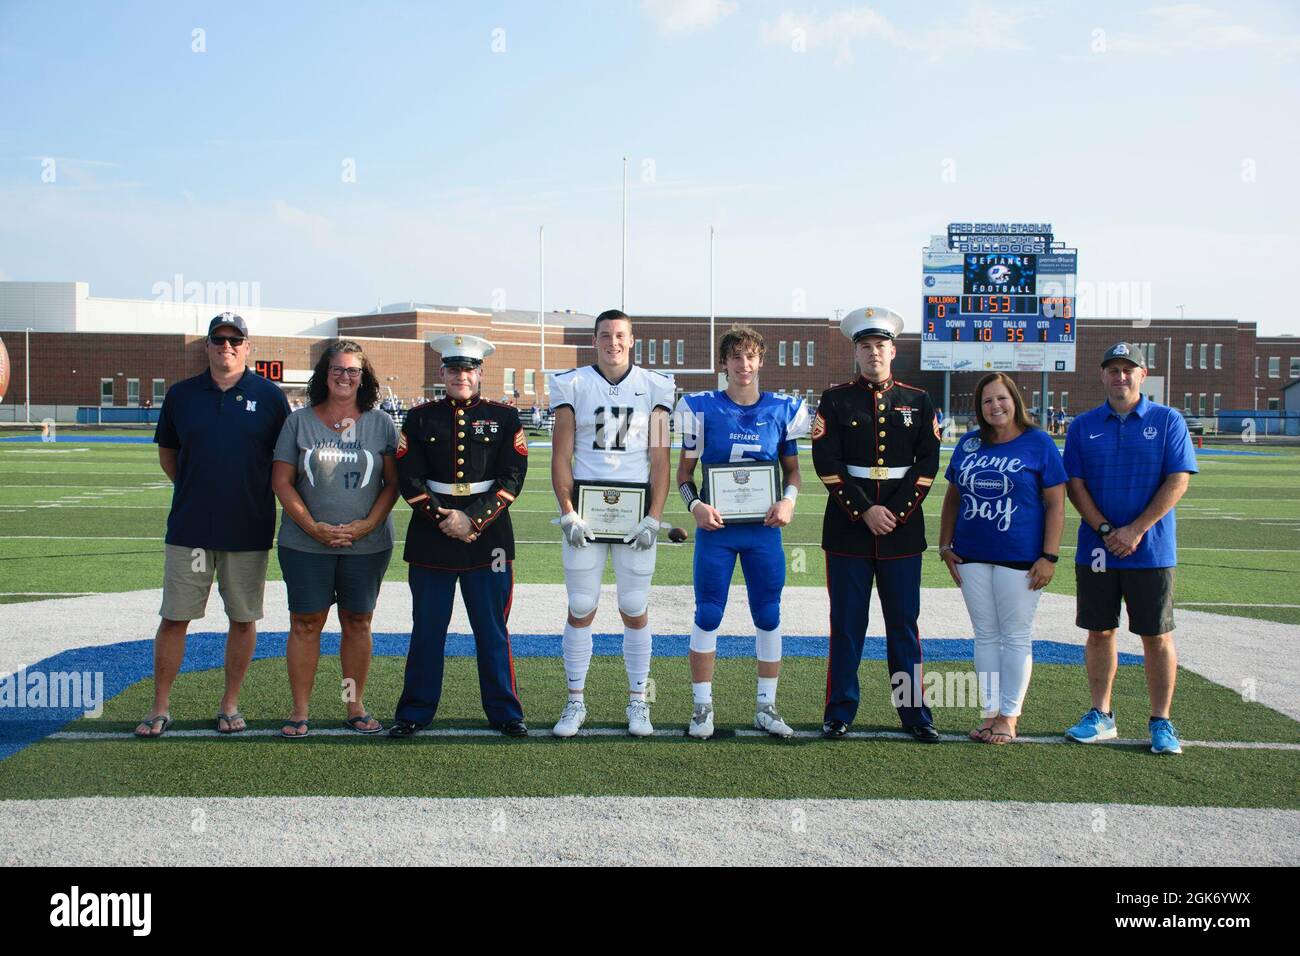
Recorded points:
(1148, 593)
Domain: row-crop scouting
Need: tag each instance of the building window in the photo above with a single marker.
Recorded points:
(780, 353)
(1274, 366)
(1034, 408)
(1274, 404)
(1257, 366)
(1187, 402)
(105, 391)
(1200, 405)
(636, 349)
(1205, 349)
(667, 356)
(1187, 358)
(653, 350)
(1218, 403)
(809, 355)
(681, 351)
(530, 381)
(133, 393)
(1065, 400)
(1218, 356)
(508, 382)
(159, 392)
(1295, 366)
(797, 343)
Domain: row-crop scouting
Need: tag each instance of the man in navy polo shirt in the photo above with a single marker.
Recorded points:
(216, 436)
(1129, 462)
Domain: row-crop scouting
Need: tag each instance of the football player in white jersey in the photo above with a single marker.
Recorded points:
(611, 427)
(740, 424)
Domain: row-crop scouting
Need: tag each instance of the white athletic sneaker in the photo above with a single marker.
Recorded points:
(701, 722)
(571, 718)
(766, 718)
(638, 719)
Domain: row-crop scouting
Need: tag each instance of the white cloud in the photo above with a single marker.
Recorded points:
(1197, 28)
(983, 27)
(687, 16)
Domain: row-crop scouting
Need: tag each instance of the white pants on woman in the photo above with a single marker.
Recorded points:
(1001, 607)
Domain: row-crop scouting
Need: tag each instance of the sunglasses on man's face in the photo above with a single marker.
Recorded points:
(234, 341)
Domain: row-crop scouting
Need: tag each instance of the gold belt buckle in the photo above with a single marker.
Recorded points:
(877, 473)
(460, 488)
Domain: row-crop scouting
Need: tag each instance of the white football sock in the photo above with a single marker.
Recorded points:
(767, 691)
(636, 658)
(702, 691)
(576, 649)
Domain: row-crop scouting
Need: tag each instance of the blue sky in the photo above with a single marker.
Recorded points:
(824, 141)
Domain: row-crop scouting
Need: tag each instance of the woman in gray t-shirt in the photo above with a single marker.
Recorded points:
(336, 477)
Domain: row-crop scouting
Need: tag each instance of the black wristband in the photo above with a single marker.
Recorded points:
(689, 492)
(1050, 557)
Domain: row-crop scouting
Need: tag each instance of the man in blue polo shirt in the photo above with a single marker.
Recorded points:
(1129, 462)
(216, 436)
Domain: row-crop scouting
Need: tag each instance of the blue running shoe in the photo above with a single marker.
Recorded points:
(1164, 738)
(1094, 726)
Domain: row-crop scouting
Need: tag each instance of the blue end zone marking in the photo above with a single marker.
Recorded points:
(130, 661)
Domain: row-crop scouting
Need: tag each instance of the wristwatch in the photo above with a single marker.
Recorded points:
(1105, 528)
(1050, 557)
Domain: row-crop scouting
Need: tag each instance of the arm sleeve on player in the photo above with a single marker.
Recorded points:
(663, 388)
(561, 391)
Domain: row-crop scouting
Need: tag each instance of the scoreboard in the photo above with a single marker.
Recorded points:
(998, 301)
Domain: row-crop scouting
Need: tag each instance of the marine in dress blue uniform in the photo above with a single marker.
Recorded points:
(460, 465)
(875, 443)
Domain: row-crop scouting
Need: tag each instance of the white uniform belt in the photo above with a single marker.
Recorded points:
(460, 488)
(877, 474)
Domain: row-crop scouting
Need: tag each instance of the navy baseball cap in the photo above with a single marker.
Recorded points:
(1127, 352)
(231, 319)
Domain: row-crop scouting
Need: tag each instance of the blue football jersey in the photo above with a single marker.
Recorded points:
(716, 430)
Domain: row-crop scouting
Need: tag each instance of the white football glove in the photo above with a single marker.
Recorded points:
(576, 530)
(642, 537)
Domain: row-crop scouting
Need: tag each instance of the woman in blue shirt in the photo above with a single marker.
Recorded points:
(1000, 535)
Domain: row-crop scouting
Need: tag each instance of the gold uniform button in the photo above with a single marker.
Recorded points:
(460, 461)
(880, 461)
(855, 514)
(881, 407)
(460, 447)
(460, 474)
(882, 434)
(853, 423)
(882, 419)
(460, 434)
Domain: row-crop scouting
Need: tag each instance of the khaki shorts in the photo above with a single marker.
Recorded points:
(187, 581)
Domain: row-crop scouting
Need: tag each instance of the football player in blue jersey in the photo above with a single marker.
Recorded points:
(740, 424)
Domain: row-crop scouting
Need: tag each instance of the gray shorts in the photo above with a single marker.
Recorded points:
(187, 582)
(316, 581)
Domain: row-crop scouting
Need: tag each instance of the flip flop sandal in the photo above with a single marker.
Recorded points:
(297, 725)
(150, 721)
(980, 734)
(230, 719)
(1010, 737)
(355, 722)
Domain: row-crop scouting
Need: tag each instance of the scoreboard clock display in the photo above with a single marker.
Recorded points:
(998, 310)
(271, 370)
